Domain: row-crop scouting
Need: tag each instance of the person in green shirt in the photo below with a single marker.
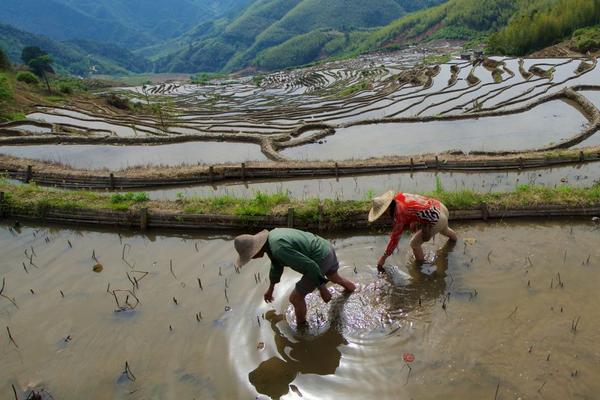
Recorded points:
(304, 252)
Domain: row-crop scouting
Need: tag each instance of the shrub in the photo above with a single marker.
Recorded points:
(6, 91)
(65, 88)
(118, 102)
(4, 61)
(587, 39)
(28, 78)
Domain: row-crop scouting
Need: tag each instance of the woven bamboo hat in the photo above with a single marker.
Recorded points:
(380, 205)
(248, 246)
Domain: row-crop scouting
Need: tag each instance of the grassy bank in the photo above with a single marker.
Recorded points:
(36, 199)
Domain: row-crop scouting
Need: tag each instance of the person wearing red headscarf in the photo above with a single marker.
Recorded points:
(425, 217)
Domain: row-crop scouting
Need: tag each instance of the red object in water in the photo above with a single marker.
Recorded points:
(408, 357)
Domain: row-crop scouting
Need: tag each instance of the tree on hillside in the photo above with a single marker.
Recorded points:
(4, 61)
(39, 61)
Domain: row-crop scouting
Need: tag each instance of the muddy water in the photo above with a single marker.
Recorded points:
(491, 310)
(119, 157)
(362, 186)
(547, 123)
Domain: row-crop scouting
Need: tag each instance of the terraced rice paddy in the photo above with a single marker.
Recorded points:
(361, 187)
(114, 158)
(379, 105)
(509, 311)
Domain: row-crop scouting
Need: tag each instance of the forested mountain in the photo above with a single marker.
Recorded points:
(77, 57)
(120, 36)
(543, 23)
(456, 19)
(268, 28)
(129, 23)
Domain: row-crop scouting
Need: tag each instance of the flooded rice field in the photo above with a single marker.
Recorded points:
(545, 124)
(361, 187)
(269, 110)
(127, 316)
(114, 158)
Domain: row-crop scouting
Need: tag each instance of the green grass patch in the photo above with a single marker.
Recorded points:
(203, 78)
(352, 89)
(13, 116)
(262, 203)
(436, 59)
(32, 197)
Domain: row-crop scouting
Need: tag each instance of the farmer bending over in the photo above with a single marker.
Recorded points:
(308, 254)
(426, 217)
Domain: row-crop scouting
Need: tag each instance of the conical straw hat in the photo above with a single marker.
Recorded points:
(380, 205)
(248, 246)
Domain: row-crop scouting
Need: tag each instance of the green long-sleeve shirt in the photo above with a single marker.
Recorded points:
(299, 250)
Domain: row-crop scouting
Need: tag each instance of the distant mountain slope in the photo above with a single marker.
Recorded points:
(515, 27)
(456, 19)
(232, 44)
(130, 23)
(75, 57)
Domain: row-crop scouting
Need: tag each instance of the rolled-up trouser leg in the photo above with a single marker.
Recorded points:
(328, 265)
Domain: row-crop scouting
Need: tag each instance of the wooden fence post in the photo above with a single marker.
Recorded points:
(437, 162)
(337, 170)
(112, 181)
(320, 217)
(581, 156)
(485, 212)
(290, 218)
(29, 174)
(211, 174)
(144, 219)
(412, 164)
(243, 171)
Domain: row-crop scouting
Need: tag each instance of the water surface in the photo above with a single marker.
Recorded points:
(495, 309)
(119, 157)
(545, 124)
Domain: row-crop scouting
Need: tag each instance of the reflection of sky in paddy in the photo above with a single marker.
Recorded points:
(362, 186)
(119, 157)
(547, 123)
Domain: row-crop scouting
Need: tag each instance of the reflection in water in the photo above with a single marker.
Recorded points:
(375, 310)
(317, 355)
(428, 281)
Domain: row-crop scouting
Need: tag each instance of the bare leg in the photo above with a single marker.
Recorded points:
(415, 244)
(297, 300)
(450, 234)
(340, 280)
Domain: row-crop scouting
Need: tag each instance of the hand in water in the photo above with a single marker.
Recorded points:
(380, 263)
(325, 294)
(268, 296)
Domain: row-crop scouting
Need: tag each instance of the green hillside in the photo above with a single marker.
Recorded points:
(514, 27)
(543, 23)
(130, 23)
(456, 19)
(261, 34)
(74, 58)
